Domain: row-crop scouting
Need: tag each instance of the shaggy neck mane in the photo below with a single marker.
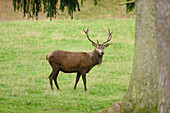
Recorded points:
(96, 57)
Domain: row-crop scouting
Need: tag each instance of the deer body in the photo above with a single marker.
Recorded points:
(75, 62)
(70, 62)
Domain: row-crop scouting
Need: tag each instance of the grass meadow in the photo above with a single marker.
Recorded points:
(24, 71)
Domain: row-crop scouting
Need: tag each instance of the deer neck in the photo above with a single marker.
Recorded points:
(97, 59)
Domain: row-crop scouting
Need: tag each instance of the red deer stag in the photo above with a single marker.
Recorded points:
(76, 62)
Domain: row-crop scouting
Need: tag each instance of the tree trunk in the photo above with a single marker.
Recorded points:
(142, 93)
(163, 35)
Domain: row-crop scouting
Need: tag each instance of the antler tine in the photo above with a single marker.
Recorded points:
(105, 30)
(87, 34)
(97, 41)
(108, 30)
(86, 30)
(109, 35)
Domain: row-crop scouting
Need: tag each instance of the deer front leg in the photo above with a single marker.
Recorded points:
(77, 80)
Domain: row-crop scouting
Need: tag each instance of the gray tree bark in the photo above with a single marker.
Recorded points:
(163, 36)
(142, 93)
(149, 87)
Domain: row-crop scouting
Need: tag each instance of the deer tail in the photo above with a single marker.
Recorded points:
(48, 57)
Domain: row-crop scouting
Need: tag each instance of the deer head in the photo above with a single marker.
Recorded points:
(99, 47)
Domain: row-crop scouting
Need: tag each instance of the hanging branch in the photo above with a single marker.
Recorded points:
(130, 5)
(128, 2)
(31, 8)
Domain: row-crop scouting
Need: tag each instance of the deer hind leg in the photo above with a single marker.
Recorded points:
(55, 79)
(50, 78)
(52, 75)
(77, 80)
(84, 81)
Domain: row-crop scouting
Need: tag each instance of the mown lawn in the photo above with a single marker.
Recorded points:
(24, 71)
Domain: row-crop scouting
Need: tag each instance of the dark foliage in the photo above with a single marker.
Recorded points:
(50, 8)
(31, 8)
(71, 4)
(130, 6)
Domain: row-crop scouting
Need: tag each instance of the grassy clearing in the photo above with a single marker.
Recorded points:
(24, 84)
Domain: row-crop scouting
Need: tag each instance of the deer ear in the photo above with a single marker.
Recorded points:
(94, 44)
(106, 45)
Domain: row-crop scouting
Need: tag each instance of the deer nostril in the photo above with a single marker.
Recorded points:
(102, 53)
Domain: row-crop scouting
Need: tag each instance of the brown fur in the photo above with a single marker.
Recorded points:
(72, 62)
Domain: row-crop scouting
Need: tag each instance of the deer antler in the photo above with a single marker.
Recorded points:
(109, 35)
(97, 41)
(88, 35)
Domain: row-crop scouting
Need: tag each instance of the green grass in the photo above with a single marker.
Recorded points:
(24, 83)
